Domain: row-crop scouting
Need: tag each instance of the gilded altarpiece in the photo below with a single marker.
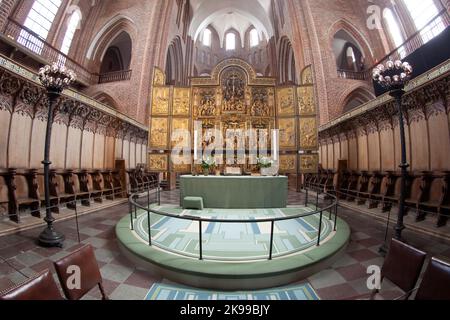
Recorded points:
(235, 99)
(308, 123)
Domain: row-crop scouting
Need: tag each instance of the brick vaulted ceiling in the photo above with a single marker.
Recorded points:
(231, 14)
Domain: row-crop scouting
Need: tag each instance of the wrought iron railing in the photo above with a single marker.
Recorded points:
(331, 209)
(31, 41)
(354, 75)
(34, 43)
(115, 76)
(417, 40)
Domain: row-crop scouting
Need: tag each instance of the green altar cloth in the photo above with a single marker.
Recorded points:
(243, 192)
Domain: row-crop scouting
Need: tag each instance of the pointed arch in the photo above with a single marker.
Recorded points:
(105, 98)
(355, 96)
(175, 73)
(353, 32)
(286, 62)
(106, 35)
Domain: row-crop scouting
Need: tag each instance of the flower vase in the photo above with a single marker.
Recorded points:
(266, 172)
(206, 172)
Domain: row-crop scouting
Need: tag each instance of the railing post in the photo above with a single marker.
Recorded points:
(149, 228)
(272, 225)
(317, 198)
(335, 215)
(131, 213)
(320, 228)
(306, 197)
(159, 193)
(135, 211)
(148, 196)
(200, 236)
(331, 202)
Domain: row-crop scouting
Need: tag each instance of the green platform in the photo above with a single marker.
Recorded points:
(231, 275)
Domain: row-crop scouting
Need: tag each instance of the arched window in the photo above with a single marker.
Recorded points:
(394, 28)
(40, 20)
(254, 38)
(70, 32)
(230, 41)
(351, 58)
(207, 35)
(422, 12)
(394, 31)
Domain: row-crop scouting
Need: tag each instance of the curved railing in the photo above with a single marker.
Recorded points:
(330, 208)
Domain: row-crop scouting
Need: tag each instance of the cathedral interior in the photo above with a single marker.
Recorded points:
(346, 103)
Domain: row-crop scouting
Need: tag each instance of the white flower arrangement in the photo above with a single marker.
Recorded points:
(208, 163)
(264, 162)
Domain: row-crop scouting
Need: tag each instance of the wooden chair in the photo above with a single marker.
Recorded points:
(54, 200)
(24, 193)
(117, 184)
(64, 190)
(393, 193)
(416, 189)
(4, 195)
(434, 199)
(41, 287)
(402, 266)
(94, 186)
(435, 284)
(83, 258)
(106, 184)
(80, 189)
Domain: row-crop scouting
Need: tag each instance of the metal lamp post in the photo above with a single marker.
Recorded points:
(55, 79)
(394, 76)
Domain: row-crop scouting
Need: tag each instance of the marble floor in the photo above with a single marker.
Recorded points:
(21, 257)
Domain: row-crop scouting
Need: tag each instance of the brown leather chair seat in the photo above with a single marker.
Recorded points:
(435, 284)
(85, 259)
(41, 287)
(402, 267)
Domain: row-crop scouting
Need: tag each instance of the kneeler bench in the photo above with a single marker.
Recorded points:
(193, 203)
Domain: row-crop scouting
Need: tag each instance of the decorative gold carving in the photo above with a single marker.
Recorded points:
(181, 101)
(158, 162)
(308, 133)
(288, 163)
(159, 133)
(182, 140)
(205, 103)
(260, 102)
(181, 168)
(233, 90)
(309, 163)
(306, 101)
(215, 75)
(285, 101)
(287, 133)
(159, 78)
(307, 77)
(160, 100)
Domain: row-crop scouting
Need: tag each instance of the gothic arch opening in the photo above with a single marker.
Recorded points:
(356, 98)
(106, 99)
(347, 52)
(174, 63)
(286, 58)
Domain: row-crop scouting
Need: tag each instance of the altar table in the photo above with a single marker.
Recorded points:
(236, 192)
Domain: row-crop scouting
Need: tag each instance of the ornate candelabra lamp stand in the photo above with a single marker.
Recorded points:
(55, 79)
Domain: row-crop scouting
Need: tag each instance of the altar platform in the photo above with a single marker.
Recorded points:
(234, 256)
(236, 192)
